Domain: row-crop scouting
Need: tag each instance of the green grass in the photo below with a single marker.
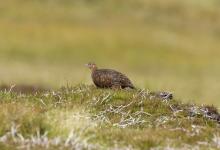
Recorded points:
(95, 118)
(161, 45)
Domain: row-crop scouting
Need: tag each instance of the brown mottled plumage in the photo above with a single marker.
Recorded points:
(108, 78)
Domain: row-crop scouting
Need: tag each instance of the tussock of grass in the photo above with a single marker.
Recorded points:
(65, 120)
(86, 117)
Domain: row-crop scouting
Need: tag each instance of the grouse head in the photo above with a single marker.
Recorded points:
(91, 66)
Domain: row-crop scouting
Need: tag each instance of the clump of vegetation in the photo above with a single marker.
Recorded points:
(84, 117)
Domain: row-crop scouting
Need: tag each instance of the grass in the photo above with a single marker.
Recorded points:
(162, 46)
(85, 117)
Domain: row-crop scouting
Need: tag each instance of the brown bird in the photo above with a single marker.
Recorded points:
(108, 78)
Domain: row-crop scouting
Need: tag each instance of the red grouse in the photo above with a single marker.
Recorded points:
(108, 78)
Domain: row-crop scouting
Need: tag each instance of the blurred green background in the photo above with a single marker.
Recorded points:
(160, 44)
